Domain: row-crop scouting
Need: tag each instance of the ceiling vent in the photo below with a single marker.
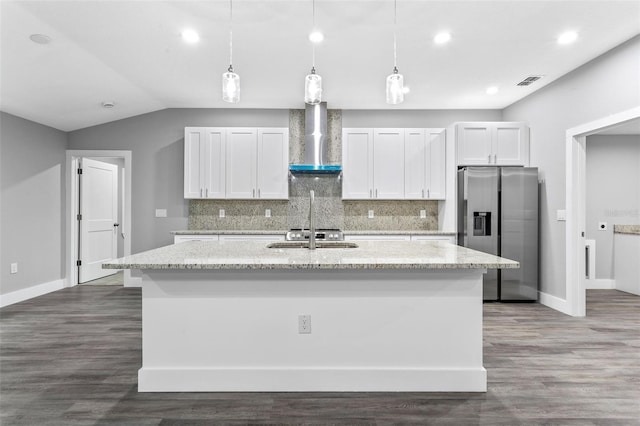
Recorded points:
(527, 81)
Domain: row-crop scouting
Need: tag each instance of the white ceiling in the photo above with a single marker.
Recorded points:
(131, 53)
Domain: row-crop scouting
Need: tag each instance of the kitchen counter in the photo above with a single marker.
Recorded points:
(276, 232)
(236, 316)
(626, 229)
(256, 255)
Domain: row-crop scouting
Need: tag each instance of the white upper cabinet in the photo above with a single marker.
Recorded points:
(357, 164)
(273, 164)
(257, 163)
(204, 162)
(424, 159)
(492, 143)
(388, 164)
(242, 145)
(372, 164)
(240, 163)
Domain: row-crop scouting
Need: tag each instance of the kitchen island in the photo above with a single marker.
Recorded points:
(386, 316)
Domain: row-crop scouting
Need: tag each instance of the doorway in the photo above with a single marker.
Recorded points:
(73, 191)
(576, 205)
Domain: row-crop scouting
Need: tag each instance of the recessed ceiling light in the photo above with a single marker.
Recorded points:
(108, 104)
(567, 37)
(316, 37)
(190, 36)
(40, 38)
(492, 90)
(442, 38)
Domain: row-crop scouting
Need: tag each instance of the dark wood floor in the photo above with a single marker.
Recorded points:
(71, 358)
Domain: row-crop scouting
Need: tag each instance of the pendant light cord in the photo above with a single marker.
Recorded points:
(230, 35)
(313, 28)
(395, 25)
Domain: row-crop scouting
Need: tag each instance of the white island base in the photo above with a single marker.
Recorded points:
(371, 330)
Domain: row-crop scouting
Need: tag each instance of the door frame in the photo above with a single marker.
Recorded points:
(576, 139)
(72, 158)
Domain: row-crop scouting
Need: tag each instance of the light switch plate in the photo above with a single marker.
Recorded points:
(161, 212)
(14, 268)
(561, 215)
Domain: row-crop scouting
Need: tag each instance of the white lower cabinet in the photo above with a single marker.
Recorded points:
(227, 237)
(253, 237)
(377, 237)
(193, 237)
(448, 238)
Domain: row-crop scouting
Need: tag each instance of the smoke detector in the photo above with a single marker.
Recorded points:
(40, 38)
(528, 80)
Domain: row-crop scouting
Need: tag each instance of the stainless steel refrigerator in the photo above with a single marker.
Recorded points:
(498, 214)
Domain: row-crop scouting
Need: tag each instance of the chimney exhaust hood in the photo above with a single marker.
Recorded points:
(315, 143)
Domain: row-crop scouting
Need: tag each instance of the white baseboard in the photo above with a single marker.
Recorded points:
(600, 284)
(31, 292)
(555, 302)
(133, 282)
(301, 379)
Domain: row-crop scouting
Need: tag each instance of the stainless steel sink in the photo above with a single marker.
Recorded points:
(319, 244)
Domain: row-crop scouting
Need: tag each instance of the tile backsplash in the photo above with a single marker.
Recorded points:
(331, 211)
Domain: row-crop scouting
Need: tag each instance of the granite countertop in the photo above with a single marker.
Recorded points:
(256, 255)
(278, 232)
(626, 229)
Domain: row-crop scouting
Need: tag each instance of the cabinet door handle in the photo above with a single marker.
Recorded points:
(495, 158)
(423, 193)
(489, 157)
(428, 193)
(376, 192)
(254, 193)
(206, 193)
(258, 192)
(200, 192)
(370, 194)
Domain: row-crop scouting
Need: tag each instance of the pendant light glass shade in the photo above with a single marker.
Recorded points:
(230, 86)
(313, 88)
(395, 88)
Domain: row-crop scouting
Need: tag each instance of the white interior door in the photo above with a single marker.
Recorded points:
(99, 216)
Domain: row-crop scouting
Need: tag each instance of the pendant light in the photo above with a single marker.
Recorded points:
(313, 82)
(230, 80)
(395, 81)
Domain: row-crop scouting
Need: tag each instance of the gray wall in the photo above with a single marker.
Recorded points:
(415, 118)
(604, 86)
(157, 143)
(613, 192)
(32, 158)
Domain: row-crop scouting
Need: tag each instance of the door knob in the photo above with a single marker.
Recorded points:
(116, 224)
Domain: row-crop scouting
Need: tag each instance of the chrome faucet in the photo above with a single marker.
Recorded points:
(312, 222)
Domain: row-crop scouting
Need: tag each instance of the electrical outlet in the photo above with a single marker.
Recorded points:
(161, 212)
(221, 212)
(267, 212)
(14, 268)
(370, 214)
(423, 214)
(561, 215)
(602, 226)
(304, 324)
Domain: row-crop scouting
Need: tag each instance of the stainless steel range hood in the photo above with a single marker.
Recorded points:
(315, 142)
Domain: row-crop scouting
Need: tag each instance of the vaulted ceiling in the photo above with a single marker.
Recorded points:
(131, 53)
